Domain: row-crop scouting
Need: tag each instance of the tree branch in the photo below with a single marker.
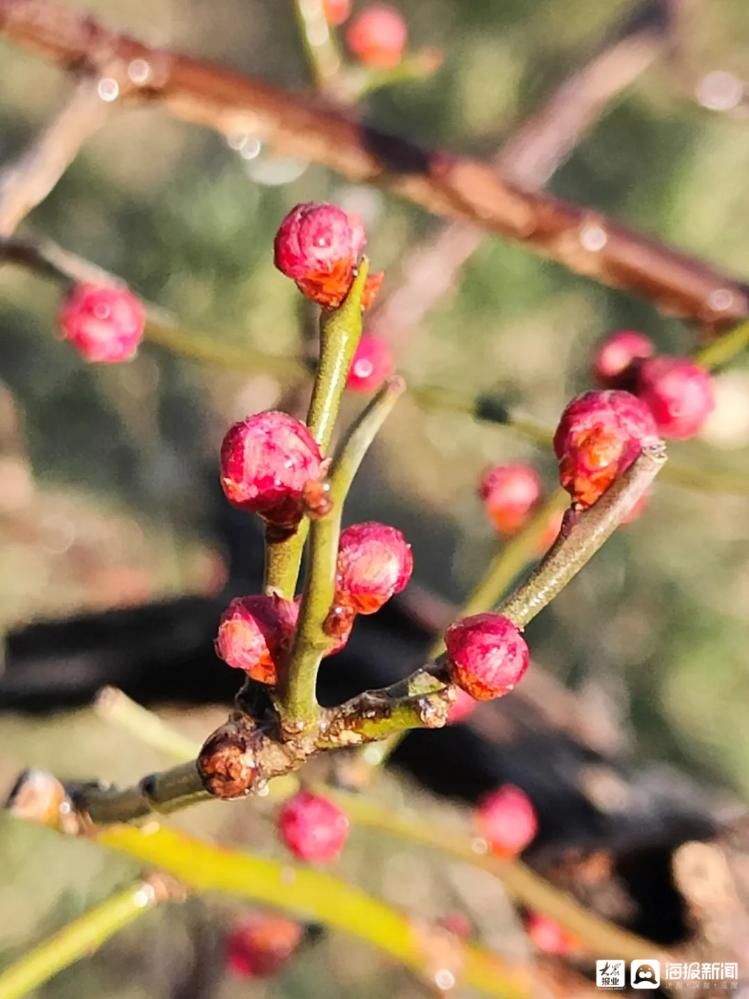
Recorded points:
(582, 239)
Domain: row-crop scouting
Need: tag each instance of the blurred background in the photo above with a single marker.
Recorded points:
(108, 494)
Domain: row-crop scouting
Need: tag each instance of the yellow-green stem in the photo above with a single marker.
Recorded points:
(318, 41)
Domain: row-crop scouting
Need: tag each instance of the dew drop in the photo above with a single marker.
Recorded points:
(720, 91)
(108, 89)
(593, 237)
(720, 299)
(479, 845)
(145, 896)
(139, 72)
(251, 148)
(444, 979)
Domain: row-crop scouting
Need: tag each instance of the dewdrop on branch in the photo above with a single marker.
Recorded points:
(105, 324)
(487, 655)
(318, 246)
(266, 462)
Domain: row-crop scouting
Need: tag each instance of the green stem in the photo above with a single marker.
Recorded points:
(319, 42)
(297, 693)
(725, 348)
(340, 332)
(581, 537)
(114, 706)
(81, 937)
(313, 894)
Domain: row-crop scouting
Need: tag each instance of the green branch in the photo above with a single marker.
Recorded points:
(297, 696)
(84, 935)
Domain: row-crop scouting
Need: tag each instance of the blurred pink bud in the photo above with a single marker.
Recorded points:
(378, 36)
(507, 820)
(509, 493)
(312, 827)
(679, 394)
(103, 323)
(372, 363)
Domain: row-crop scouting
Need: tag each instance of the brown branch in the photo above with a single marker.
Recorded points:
(582, 239)
(530, 156)
(28, 180)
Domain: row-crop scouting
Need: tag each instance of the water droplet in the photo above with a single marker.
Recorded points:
(720, 299)
(139, 72)
(251, 147)
(108, 89)
(720, 91)
(235, 140)
(444, 979)
(593, 237)
(479, 845)
(145, 896)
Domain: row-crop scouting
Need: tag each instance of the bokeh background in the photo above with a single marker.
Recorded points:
(107, 475)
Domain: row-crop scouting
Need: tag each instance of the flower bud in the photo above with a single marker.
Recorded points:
(509, 493)
(255, 633)
(104, 323)
(374, 563)
(372, 363)
(337, 11)
(548, 937)
(318, 245)
(617, 357)
(261, 944)
(461, 708)
(507, 820)
(679, 394)
(378, 36)
(266, 461)
(487, 655)
(312, 827)
(599, 436)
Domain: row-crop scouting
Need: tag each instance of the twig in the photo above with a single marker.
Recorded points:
(28, 181)
(318, 41)
(84, 935)
(581, 537)
(530, 156)
(297, 697)
(584, 240)
(340, 331)
(114, 706)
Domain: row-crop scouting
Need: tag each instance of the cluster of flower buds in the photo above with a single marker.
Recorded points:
(259, 945)
(104, 323)
(319, 246)
(677, 391)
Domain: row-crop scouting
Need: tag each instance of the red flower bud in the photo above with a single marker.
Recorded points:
(372, 363)
(507, 820)
(266, 460)
(509, 493)
(599, 436)
(255, 633)
(548, 936)
(378, 36)
(318, 245)
(374, 563)
(618, 354)
(312, 827)
(487, 655)
(679, 394)
(103, 323)
(260, 945)
(337, 11)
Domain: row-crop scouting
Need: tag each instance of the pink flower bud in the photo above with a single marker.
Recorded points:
(507, 820)
(312, 827)
(618, 354)
(374, 563)
(461, 708)
(487, 654)
(255, 633)
(679, 394)
(266, 460)
(260, 945)
(378, 36)
(548, 936)
(509, 493)
(599, 436)
(318, 245)
(337, 11)
(372, 363)
(103, 323)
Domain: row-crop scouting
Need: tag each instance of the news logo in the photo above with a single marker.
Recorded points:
(645, 973)
(610, 974)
